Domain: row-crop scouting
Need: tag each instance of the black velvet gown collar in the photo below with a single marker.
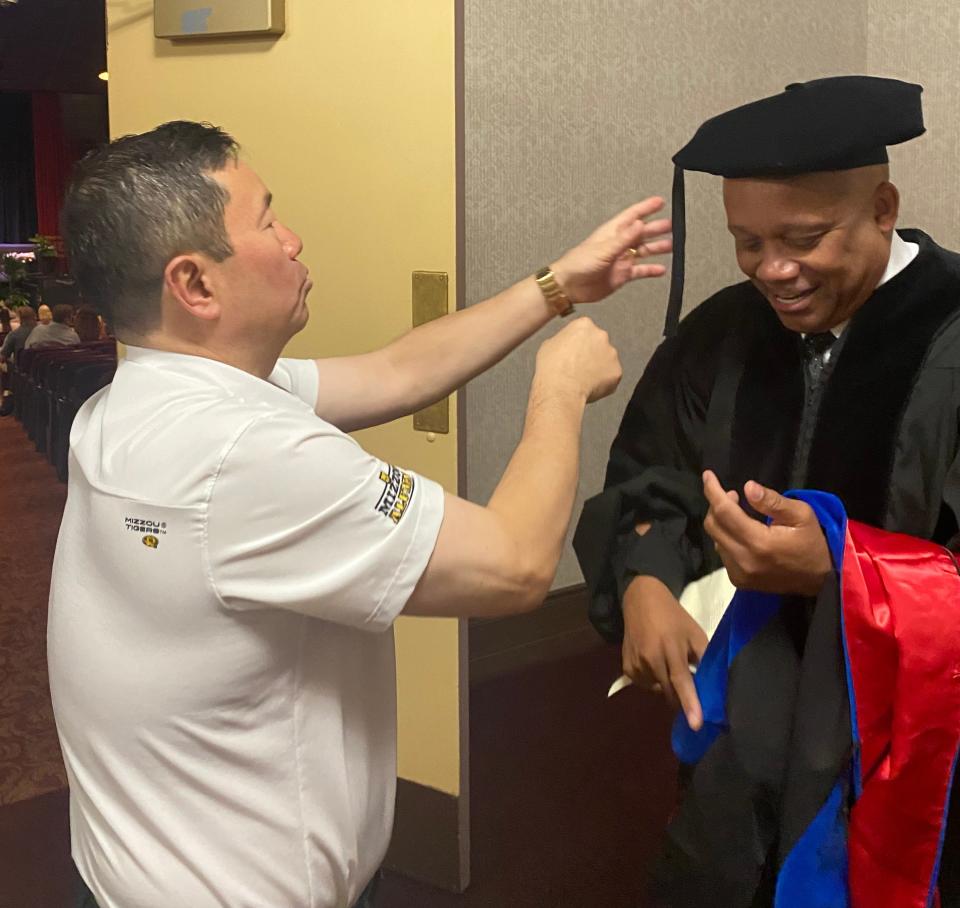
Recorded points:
(857, 423)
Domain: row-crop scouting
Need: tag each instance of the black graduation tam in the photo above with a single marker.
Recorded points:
(827, 124)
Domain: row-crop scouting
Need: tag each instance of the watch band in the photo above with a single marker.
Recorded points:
(552, 292)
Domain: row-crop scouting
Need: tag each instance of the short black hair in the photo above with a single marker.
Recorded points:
(136, 203)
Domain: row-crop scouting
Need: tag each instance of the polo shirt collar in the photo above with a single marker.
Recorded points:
(203, 370)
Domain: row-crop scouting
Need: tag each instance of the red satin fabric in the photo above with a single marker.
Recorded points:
(901, 614)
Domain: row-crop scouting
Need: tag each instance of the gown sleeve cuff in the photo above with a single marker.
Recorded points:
(658, 553)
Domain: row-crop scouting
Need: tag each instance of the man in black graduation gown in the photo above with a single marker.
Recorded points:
(834, 366)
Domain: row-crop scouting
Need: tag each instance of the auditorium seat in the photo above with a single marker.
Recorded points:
(50, 385)
(86, 380)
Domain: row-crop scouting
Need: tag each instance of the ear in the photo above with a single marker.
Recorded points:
(886, 206)
(187, 281)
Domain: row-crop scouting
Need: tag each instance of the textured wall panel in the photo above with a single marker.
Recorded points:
(919, 42)
(572, 111)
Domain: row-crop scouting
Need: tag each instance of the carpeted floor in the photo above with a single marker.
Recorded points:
(569, 791)
(32, 501)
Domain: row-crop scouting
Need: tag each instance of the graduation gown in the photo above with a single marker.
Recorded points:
(727, 393)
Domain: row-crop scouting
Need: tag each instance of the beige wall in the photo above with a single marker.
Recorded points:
(349, 117)
(920, 42)
(574, 109)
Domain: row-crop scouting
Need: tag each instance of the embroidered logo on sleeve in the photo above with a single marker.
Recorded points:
(398, 489)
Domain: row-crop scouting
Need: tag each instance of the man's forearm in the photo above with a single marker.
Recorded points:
(429, 362)
(437, 358)
(535, 496)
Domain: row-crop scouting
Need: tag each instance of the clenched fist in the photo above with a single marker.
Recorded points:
(581, 358)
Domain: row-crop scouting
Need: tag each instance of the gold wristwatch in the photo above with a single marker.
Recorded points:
(552, 292)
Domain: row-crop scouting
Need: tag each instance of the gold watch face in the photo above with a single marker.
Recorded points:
(552, 292)
(547, 282)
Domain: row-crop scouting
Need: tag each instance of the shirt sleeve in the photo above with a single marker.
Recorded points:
(300, 517)
(299, 377)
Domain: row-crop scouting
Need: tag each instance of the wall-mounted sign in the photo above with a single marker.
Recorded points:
(217, 18)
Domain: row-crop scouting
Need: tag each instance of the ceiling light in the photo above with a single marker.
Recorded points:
(104, 75)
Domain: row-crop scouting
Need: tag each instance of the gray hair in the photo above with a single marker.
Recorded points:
(135, 204)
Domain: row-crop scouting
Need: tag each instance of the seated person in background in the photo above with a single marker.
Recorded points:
(87, 325)
(59, 331)
(45, 315)
(14, 342)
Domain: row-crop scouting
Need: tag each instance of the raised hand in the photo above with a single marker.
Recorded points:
(582, 358)
(614, 254)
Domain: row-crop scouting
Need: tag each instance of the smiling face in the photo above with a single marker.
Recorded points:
(815, 245)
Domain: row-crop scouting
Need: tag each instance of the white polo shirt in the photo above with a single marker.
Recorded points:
(220, 639)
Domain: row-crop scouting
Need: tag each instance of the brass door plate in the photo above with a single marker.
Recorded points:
(217, 18)
(430, 300)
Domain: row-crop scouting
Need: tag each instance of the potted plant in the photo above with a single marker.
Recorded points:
(16, 299)
(15, 269)
(46, 252)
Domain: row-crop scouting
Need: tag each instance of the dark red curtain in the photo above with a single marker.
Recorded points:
(52, 160)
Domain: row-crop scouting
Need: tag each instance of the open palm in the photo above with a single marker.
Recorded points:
(614, 254)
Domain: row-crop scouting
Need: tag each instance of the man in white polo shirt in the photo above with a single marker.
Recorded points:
(230, 562)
